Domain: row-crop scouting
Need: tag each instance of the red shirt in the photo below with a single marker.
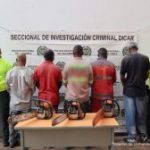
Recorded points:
(104, 77)
(48, 77)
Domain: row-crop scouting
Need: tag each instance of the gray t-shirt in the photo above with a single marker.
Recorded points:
(21, 86)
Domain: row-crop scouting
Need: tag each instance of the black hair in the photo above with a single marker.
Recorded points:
(49, 55)
(102, 52)
(78, 50)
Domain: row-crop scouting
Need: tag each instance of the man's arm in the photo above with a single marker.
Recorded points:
(123, 72)
(123, 79)
(114, 74)
(8, 80)
(59, 78)
(91, 78)
(36, 78)
(29, 80)
(65, 75)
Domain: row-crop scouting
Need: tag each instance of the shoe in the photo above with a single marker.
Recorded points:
(143, 139)
(88, 147)
(6, 144)
(69, 148)
(131, 140)
(148, 140)
(12, 145)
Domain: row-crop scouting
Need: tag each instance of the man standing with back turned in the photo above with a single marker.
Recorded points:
(78, 77)
(21, 87)
(104, 77)
(4, 99)
(134, 72)
(48, 79)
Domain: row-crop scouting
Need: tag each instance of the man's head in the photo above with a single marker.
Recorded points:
(132, 47)
(0, 53)
(77, 51)
(102, 53)
(49, 55)
(21, 59)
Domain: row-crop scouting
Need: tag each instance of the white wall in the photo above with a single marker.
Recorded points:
(87, 15)
(144, 41)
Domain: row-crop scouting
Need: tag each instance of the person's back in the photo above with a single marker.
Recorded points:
(78, 74)
(48, 79)
(104, 77)
(134, 72)
(78, 77)
(136, 66)
(21, 84)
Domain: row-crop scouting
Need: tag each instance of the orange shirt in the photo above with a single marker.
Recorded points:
(104, 76)
(48, 77)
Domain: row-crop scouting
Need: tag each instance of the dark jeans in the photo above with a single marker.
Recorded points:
(13, 135)
(4, 114)
(148, 113)
(87, 106)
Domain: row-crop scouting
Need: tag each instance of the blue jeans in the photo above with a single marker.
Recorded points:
(135, 112)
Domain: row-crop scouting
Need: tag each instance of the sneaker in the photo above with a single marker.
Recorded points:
(6, 144)
(89, 147)
(131, 140)
(14, 144)
(143, 139)
(148, 140)
(69, 148)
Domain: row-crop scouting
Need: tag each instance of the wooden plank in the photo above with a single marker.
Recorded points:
(86, 122)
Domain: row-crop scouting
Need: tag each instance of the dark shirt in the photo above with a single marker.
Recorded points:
(135, 68)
